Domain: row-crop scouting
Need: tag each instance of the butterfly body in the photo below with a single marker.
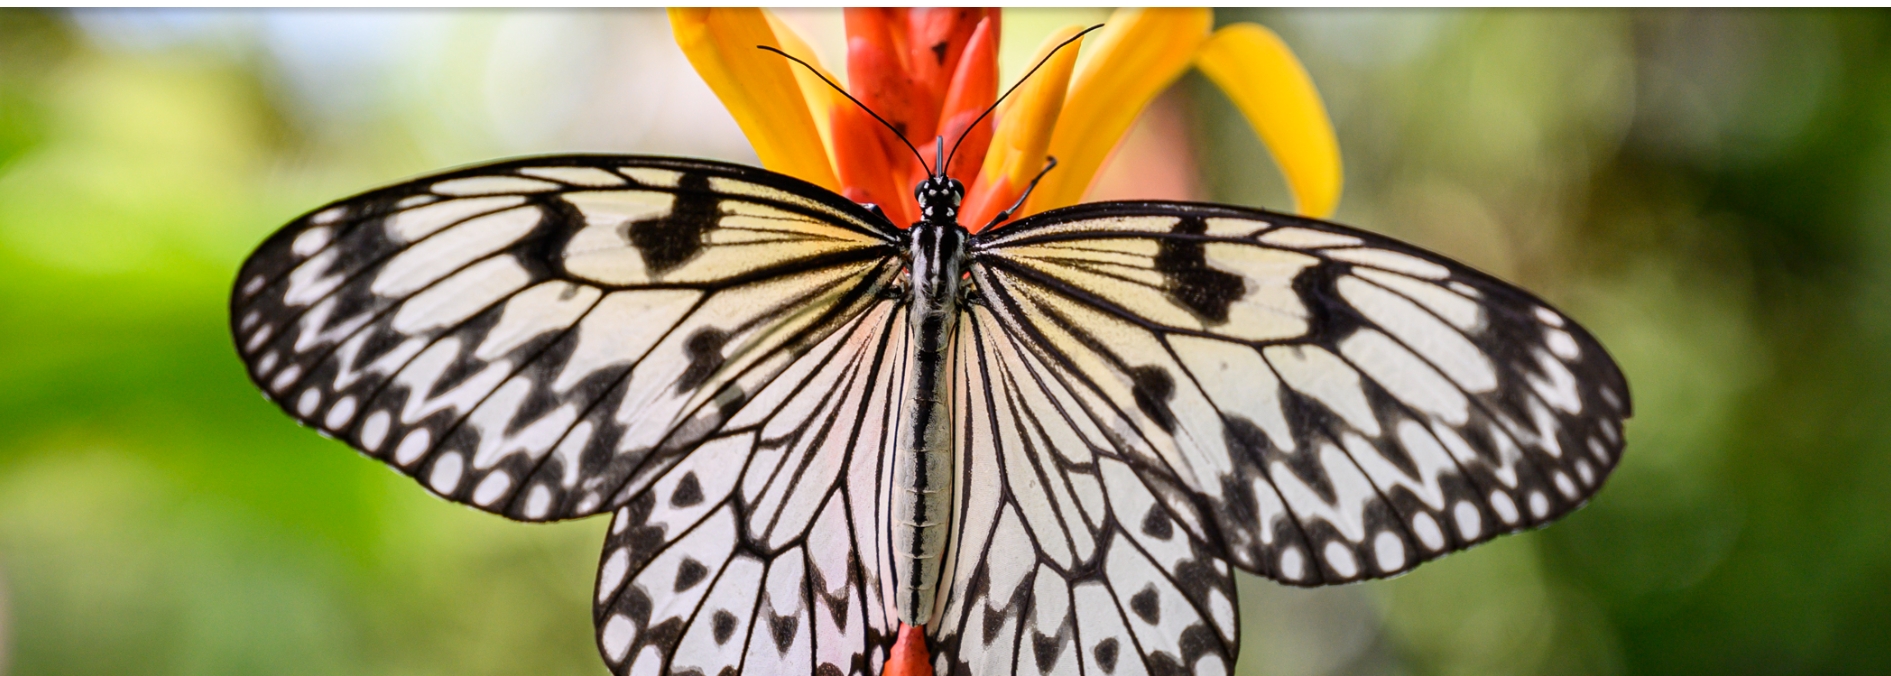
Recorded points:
(922, 498)
(1049, 444)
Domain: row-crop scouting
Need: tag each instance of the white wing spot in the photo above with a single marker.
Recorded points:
(1428, 532)
(310, 241)
(1470, 523)
(1389, 551)
(649, 660)
(611, 574)
(254, 285)
(537, 502)
(413, 446)
(1392, 260)
(492, 488)
(1565, 486)
(1539, 504)
(446, 472)
(1292, 564)
(413, 224)
(1208, 665)
(306, 404)
(1549, 317)
(1221, 609)
(1585, 472)
(286, 378)
(256, 339)
(1302, 238)
(586, 176)
(1608, 395)
(266, 364)
(1506, 509)
(491, 185)
(339, 414)
(374, 430)
(590, 501)
(412, 201)
(620, 521)
(1562, 344)
(1607, 427)
(249, 320)
(618, 634)
(329, 215)
(1601, 452)
(655, 178)
(1341, 559)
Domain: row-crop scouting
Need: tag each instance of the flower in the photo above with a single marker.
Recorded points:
(931, 72)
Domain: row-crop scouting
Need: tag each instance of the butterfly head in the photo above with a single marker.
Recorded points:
(939, 198)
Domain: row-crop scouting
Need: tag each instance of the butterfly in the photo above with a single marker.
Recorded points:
(1048, 444)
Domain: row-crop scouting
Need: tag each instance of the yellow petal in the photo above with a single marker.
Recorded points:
(757, 87)
(1023, 135)
(1260, 74)
(1139, 53)
(821, 98)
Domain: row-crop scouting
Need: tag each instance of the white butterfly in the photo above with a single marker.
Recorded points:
(1050, 466)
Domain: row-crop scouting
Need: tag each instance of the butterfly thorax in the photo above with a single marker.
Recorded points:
(922, 489)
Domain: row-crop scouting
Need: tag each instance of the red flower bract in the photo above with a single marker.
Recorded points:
(928, 73)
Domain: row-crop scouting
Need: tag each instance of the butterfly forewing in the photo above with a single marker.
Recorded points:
(537, 336)
(1341, 406)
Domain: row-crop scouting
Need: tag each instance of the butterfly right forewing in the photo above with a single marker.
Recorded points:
(1333, 405)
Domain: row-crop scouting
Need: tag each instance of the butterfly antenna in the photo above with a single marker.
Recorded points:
(1014, 87)
(850, 97)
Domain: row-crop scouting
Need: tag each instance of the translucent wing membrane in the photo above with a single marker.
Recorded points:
(1317, 404)
(760, 551)
(545, 337)
(1063, 561)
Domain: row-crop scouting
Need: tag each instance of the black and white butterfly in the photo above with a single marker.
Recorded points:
(1052, 466)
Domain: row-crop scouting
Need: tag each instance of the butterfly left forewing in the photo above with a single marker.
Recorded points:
(1344, 406)
(534, 337)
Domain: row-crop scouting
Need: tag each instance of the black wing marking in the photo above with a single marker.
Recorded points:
(759, 551)
(1336, 404)
(542, 337)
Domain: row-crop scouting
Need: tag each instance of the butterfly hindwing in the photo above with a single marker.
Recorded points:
(1062, 561)
(1339, 405)
(758, 550)
(536, 337)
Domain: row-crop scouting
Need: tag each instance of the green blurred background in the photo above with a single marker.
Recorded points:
(1708, 191)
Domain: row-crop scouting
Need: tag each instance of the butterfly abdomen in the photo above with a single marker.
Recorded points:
(922, 489)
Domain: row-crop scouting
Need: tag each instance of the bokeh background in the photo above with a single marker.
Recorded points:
(1708, 191)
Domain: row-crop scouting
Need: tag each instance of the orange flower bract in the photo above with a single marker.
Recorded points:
(931, 72)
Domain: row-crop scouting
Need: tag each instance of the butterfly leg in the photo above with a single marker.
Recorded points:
(969, 295)
(1049, 164)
